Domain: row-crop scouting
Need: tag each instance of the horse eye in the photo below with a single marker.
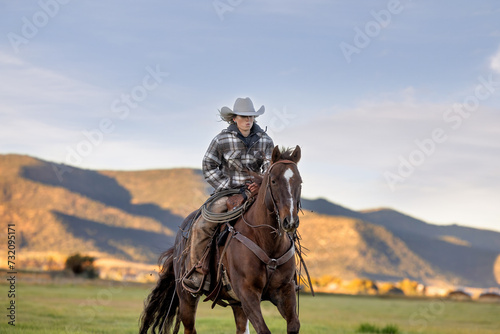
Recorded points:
(273, 181)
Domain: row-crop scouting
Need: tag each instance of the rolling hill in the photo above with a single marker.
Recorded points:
(467, 255)
(134, 215)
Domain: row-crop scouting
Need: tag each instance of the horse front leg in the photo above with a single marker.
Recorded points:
(250, 302)
(286, 302)
(241, 320)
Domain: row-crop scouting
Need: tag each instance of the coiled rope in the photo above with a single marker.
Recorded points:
(223, 217)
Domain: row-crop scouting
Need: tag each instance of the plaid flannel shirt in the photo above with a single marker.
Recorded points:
(228, 157)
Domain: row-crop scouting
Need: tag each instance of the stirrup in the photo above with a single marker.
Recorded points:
(201, 288)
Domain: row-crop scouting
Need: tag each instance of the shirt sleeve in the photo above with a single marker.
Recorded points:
(268, 154)
(212, 167)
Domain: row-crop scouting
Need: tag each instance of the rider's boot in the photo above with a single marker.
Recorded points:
(201, 234)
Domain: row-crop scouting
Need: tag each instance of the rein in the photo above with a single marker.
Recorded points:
(275, 206)
(271, 263)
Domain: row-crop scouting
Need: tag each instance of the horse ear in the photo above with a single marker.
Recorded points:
(296, 154)
(276, 154)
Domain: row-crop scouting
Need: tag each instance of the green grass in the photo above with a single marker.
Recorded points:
(369, 328)
(100, 307)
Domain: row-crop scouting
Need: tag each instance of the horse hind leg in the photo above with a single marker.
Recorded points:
(187, 311)
(241, 320)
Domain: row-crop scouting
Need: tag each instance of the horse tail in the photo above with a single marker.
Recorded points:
(161, 306)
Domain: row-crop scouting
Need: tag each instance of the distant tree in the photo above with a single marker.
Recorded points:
(82, 265)
(363, 286)
(459, 295)
(326, 280)
(490, 297)
(395, 291)
(409, 287)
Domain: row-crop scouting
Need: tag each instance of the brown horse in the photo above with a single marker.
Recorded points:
(257, 259)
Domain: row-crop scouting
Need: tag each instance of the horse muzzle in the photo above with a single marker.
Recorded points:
(290, 223)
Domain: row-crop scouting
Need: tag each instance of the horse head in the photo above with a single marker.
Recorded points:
(283, 187)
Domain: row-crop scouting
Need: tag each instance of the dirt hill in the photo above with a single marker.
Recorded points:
(349, 248)
(87, 211)
(133, 216)
(466, 255)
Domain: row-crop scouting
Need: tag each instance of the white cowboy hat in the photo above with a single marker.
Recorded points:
(242, 107)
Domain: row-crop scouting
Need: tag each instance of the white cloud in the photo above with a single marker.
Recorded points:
(347, 153)
(6, 59)
(134, 154)
(32, 90)
(45, 104)
(495, 62)
(43, 110)
(370, 135)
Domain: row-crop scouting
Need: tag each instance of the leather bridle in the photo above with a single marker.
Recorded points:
(275, 209)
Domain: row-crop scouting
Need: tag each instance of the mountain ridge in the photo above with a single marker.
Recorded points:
(401, 223)
(134, 215)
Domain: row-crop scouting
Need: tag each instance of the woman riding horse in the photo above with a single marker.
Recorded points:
(255, 262)
(240, 148)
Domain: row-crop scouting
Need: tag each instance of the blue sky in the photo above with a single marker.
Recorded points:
(394, 103)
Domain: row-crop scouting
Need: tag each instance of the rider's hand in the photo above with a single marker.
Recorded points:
(254, 188)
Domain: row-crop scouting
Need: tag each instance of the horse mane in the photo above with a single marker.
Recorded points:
(286, 153)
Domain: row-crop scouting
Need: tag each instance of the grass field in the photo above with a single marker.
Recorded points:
(101, 307)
